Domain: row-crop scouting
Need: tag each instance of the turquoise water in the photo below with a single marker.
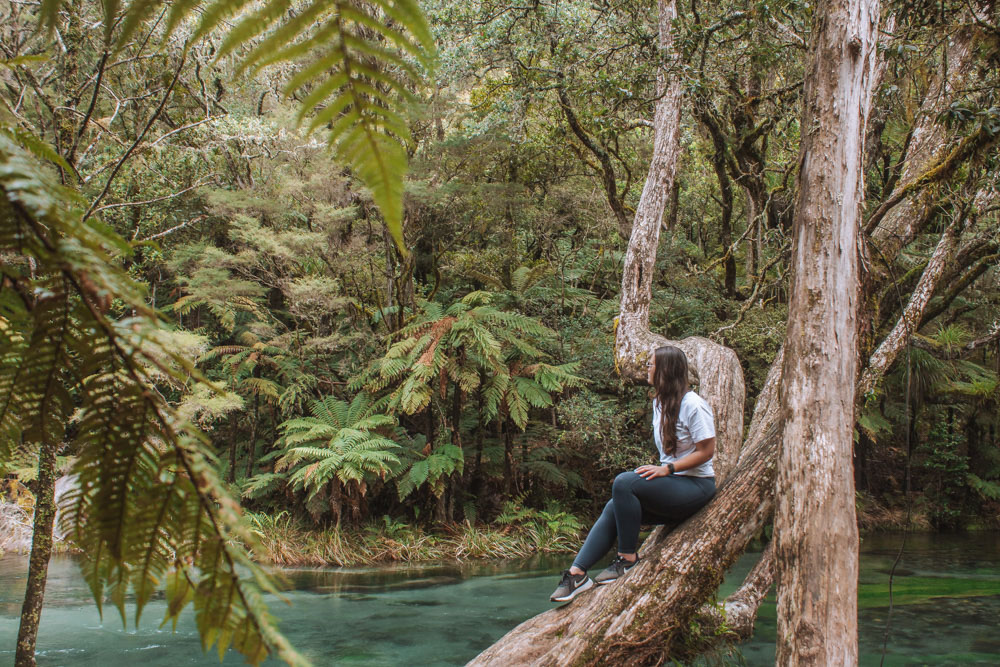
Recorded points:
(947, 611)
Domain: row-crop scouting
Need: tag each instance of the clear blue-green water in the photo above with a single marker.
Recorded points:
(947, 611)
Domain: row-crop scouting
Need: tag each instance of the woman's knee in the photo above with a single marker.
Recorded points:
(623, 483)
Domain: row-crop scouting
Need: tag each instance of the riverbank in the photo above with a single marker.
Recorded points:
(285, 542)
(520, 533)
(879, 516)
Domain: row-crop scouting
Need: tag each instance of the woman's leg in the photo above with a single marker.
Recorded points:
(628, 511)
(599, 539)
(674, 497)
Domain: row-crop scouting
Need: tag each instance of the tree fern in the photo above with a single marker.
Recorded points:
(988, 489)
(433, 469)
(459, 343)
(148, 510)
(342, 442)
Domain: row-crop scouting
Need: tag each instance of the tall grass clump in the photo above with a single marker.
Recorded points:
(521, 532)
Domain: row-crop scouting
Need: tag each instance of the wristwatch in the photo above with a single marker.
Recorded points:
(670, 467)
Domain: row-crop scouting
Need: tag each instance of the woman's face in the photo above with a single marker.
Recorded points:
(650, 369)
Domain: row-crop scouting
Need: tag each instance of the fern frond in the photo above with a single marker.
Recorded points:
(148, 508)
(532, 392)
(263, 387)
(988, 489)
(518, 408)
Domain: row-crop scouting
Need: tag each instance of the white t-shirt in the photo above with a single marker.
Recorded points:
(695, 423)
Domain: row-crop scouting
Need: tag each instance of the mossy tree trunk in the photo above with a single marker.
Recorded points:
(41, 551)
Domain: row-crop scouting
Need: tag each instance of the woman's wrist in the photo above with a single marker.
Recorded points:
(671, 469)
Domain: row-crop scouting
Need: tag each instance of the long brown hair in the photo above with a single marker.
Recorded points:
(670, 383)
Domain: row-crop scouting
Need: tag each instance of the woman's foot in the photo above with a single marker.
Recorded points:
(570, 586)
(618, 567)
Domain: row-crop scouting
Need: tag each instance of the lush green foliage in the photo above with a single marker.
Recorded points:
(432, 376)
(351, 61)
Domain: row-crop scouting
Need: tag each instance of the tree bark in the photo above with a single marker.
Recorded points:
(38, 562)
(816, 533)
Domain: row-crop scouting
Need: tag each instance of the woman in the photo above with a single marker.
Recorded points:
(684, 430)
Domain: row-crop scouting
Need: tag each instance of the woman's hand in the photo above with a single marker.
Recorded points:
(652, 472)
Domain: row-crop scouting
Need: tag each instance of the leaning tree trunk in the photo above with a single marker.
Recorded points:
(643, 619)
(815, 528)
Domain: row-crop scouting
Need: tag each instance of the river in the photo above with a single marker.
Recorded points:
(946, 611)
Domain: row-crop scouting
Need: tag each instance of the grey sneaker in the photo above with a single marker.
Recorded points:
(570, 586)
(619, 566)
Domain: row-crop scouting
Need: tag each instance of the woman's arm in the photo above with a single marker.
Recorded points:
(703, 451)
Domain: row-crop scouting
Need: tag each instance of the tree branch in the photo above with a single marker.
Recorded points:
(738, 612)
(125, 156)
(607, 168)
(889, 349)
(155, 199)
(959, 286)
(90, 108)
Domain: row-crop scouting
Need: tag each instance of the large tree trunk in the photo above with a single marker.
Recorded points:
(816, 532)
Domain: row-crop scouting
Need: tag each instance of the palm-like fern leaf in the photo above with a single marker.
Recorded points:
(340, 441)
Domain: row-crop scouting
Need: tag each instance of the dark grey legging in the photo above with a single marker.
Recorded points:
(635, 501)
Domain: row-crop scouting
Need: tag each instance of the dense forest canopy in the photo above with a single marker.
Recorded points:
(313, 341)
